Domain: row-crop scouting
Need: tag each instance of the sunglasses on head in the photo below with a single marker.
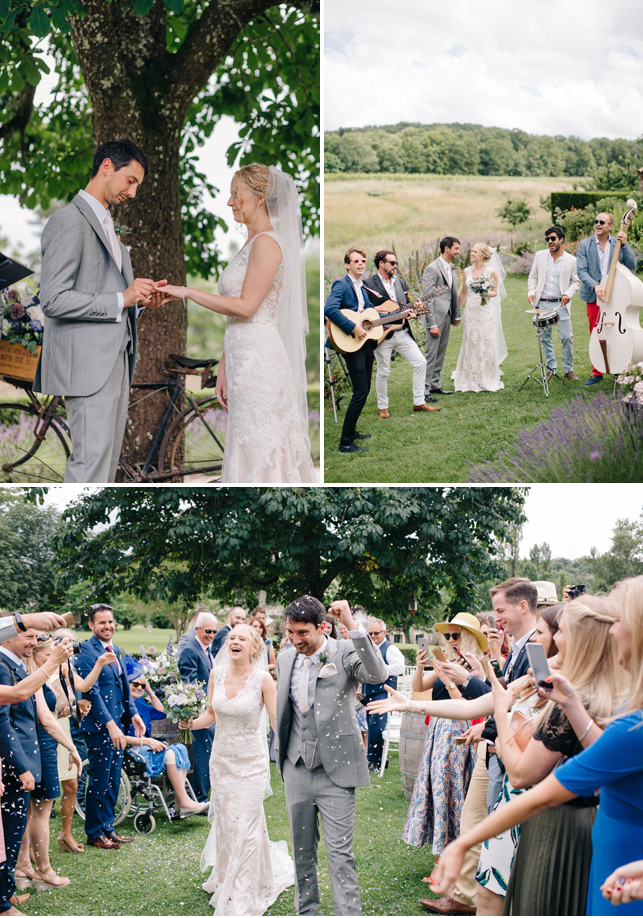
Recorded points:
(600, 222)
(43, 637)
(451, 637)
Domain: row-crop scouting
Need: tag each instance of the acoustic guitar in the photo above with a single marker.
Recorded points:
(376, 325)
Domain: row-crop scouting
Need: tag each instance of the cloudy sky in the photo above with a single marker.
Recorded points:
(571, 67)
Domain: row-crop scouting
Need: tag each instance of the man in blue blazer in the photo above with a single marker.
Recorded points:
(20, 755)
(105, 727)
(593, 260)
(350, 293)
(195, 663)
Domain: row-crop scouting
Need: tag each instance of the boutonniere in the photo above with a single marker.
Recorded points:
(120, 229)
(324, 657)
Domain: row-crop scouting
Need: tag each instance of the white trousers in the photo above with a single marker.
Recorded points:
(403, 343)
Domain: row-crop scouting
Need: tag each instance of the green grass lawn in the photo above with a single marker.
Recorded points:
(471, 427)
(159, 874)
(131, 640)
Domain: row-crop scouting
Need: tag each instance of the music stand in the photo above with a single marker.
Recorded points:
(541, 366)
(12, 271)
(328, 352)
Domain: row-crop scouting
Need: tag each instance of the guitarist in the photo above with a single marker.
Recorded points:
(350, 293)
(387, 286)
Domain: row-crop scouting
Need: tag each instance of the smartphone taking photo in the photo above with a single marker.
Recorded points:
(539, 665)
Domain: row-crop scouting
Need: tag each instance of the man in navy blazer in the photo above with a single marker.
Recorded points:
(20, 755)
(195, 663)
(105, 727)
(350, 293)
(593, 260)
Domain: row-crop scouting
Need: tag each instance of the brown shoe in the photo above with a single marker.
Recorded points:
(18, 900)
(103, 842)
(383, 412)
(549, 374)
(115, 837)
(447, 906)
(426, 407)
(572, 375)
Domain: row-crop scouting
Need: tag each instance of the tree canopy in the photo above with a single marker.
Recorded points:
(377, 546)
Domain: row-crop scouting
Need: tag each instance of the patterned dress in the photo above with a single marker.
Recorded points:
(478, 368)
(265, 443)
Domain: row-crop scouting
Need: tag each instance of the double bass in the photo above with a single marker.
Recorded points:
(617, 340)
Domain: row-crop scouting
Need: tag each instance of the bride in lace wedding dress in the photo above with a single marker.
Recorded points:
(249, 872)
(261, 380)
(483, 344)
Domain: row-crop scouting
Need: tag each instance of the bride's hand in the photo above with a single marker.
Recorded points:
(186, 724)
(221, 389)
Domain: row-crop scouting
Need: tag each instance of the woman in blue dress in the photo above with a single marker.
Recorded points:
(158, 756)
(613, 765)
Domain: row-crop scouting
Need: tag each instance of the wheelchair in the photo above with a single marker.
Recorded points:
(139, 795)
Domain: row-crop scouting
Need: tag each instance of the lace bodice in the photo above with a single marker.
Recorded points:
(231, 284)
(238, 718)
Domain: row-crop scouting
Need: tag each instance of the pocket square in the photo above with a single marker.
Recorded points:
(328, 670)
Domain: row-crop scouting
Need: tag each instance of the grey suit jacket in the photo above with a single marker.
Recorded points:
(445, 304)
(340, 743)
(79, 282)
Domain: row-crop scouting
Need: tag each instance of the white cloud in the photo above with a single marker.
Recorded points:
(566, 68)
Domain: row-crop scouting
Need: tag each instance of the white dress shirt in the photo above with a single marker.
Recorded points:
(360, 294)
(12, 656)
(394, 659)
(102, 212)
(551, 290)
(516, 647)
(389, 286)
(603, 259)
(113, 650)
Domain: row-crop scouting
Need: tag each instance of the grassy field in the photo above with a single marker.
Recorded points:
(131, 640)
(411, 210)
(471, 427)
(159, 874)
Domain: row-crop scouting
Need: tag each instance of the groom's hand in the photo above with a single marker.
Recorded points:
(456, 322)
(159, 297)
(434, 332)
(140, 290)
(341, 610)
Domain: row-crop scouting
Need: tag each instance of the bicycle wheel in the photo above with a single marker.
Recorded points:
(18, 425)
(193, 446)
(123, 802)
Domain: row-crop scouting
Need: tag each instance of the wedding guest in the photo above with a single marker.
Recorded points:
(189, 631)
(195, 664)
(105, 726)
(158, 756)
(11, 625)
(386, 286)
(613, 763)
(593, 261)
(624, 884)
(237, 616)
(394, 660)
(552, 284)
(47, 789)
(269, 651)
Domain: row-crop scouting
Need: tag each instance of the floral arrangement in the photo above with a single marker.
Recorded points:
(183, 701)
(631, 382)
(162, 672)
(22, 319)
(482, 286)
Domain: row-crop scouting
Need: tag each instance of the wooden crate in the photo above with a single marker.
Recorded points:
(17, 362)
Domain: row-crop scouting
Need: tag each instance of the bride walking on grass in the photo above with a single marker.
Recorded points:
(249, 872)
(483, 343)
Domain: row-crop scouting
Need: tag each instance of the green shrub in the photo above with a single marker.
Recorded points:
(576, 200)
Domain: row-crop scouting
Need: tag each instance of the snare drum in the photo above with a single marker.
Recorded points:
(546, 319)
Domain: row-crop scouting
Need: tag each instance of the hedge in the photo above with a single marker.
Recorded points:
(578, 200)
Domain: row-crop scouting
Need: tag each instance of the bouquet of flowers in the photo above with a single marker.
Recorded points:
(183, 701)
(483, 287)
(162, 672)
(22, 319)
(631, 382)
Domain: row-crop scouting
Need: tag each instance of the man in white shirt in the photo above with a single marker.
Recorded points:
(394, 660)
(385, 285)
(553, 281)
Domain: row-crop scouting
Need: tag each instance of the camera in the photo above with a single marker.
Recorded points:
(575, 591)
(75, 645)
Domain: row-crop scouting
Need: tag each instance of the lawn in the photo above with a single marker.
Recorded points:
(470, 427)
(131, 640)
(159, 874)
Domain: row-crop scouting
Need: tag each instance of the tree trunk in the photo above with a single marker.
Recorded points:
(141, 92)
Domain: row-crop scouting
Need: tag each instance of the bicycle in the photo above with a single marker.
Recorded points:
(35, 441)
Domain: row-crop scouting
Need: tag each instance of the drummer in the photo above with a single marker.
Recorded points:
(553, 281)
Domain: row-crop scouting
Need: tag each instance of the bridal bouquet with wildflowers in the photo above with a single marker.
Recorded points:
(183, 701)
(631, 382)
(163, 671)
(22, 319)
(483, 287)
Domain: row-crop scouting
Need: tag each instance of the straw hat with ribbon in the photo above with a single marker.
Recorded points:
(470, 623)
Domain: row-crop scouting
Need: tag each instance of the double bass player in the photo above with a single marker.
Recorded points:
(593, 260)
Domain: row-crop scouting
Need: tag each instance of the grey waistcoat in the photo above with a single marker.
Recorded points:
(302, 742)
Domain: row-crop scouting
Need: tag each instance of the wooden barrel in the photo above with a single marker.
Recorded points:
(165, 731)
(412, 734)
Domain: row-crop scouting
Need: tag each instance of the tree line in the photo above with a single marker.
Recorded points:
(469, 149)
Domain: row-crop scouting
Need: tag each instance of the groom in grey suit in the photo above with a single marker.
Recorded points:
(319, 749)
(446, 310)
(90, 300)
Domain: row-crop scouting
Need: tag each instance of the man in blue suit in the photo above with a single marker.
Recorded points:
(195, 663)
(593, 260)
(105, 727)
(350, 293)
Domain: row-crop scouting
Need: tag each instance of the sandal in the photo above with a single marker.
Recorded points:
(65, 846)
(24, 877)
(41, 883)
(18, 900)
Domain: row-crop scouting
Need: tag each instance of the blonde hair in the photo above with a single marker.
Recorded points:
(256, 641)
(30, 663)
(631, 605)
(484, 250)
(255, 176)
(468, 643)
(591, 662)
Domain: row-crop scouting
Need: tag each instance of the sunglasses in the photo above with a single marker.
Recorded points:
(376, 632)
(208, 631)
(551, 238)
(600, 222)
(138, 684)
(451, 637)
(391, 262)
(43, 637)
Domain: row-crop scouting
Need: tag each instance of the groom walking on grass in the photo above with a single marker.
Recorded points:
(319, 750)
(91, 301)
